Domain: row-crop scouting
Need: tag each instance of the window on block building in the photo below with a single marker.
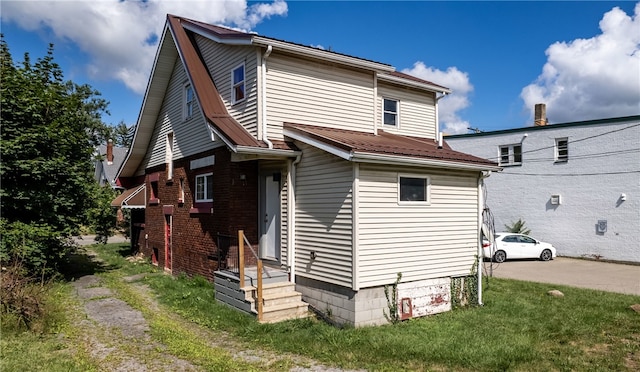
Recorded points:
(511, 155)
(562, 149)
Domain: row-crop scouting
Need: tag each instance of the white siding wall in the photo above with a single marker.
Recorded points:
(306, 92)
(417, 111)
(324, 217)
(221, 60)
(190, 136)
(604, 162)
(420, 241)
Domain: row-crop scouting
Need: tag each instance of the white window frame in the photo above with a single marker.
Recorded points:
(511, 154)
(239, 83)
(396, 113)
(169, 155)
(189, 102)
(558, 157)
(427, 191)
(195, 191)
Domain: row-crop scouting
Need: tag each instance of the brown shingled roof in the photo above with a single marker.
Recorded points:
(208, 97)
(386, 144)
(413, 78)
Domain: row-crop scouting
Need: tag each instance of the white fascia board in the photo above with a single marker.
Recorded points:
(266, 151)
(399, 80)
(403, 160)
(211, 36)
(322, 54)
(222, 137)
(347, 155)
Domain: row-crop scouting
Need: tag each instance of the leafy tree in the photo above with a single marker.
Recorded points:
(102, 216)
(50, 128)
(518, 227)
(121, 134)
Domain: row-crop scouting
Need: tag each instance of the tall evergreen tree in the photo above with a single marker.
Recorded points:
(50, 128)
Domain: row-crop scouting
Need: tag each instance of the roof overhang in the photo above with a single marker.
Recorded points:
(413, 83)
(135, 197)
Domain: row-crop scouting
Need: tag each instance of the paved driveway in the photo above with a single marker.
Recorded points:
(603, 276)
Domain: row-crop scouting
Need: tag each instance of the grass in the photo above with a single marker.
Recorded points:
(519, 328)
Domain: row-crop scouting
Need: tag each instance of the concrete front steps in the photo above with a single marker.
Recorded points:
(280, 300)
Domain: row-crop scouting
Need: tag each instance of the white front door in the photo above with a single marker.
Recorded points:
(270, 217)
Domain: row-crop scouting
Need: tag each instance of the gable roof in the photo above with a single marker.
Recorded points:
(110, 170)
(178, 42)
(385, 148)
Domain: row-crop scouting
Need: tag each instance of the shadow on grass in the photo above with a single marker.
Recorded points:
(84, 261)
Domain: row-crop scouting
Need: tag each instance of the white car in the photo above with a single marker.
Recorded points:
(513, 246)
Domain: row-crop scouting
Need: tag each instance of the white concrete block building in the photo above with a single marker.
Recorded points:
(576, 185)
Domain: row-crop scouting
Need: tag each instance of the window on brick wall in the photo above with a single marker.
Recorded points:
(511, 155)
(203, 193)
(169, 156)
(154, 199)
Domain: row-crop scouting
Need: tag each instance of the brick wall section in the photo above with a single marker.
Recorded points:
(235, 206)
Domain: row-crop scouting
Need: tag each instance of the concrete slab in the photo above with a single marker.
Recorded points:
(604, 276)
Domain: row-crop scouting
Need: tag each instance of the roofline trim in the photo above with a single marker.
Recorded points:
(231, 40)
(266, 151)
(399, 80)
(365, 157)
(321, 54)
(324, 146)
(618, 120)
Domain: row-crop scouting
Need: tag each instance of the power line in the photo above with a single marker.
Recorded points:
(569, 175)
(573, 141)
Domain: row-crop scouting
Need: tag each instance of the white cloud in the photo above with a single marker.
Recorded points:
(592, 78)
(121, 37)
(448, 107)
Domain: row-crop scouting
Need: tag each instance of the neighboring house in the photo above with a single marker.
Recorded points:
(329, 163)
(576, 185)
(109, 158)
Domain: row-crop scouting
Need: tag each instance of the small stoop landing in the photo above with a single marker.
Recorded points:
(280, 300)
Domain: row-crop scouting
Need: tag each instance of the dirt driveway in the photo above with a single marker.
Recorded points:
(590, 274)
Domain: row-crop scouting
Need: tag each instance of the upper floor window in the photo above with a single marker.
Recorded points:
(204, 188)
(189, 101)
(511, 155)
(414, 188)
(237, 83)
(390, 112)
(562, 149)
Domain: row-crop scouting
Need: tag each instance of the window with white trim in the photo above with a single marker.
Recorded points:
(189, 102)
(511, 154)
(390, 112)
(562, 149)
(237, 84)
(204, 188)
(413, 189)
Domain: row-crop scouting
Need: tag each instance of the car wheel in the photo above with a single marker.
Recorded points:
(546, 255)
(500, 256)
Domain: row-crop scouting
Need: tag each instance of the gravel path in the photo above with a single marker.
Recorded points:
(118, 336)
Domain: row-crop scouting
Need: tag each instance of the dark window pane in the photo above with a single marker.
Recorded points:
(517, 154)
(391, 106)
(389, 119)
(413, 189)
(238, 75)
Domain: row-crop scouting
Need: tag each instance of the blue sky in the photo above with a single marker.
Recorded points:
(581, 58)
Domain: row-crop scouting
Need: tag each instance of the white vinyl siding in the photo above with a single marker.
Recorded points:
(420, 241)
(324, 217)
(221, 60)
(191, 136)
(416, 111)
(307, 92)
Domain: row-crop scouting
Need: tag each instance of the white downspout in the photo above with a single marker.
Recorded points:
(481, 201)
(291, 216)
(263, 83)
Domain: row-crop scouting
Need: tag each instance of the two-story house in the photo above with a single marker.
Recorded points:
(575, 185)
(329, 163)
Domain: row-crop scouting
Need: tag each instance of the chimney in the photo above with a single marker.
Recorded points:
(540, 115)
(110, 152)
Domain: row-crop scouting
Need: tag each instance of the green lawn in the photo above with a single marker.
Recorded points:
(519, 328)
